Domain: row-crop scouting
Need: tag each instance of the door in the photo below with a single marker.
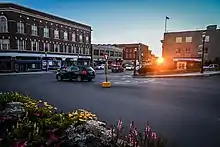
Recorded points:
(74, 72)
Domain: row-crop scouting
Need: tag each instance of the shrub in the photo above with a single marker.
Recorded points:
(27, 122)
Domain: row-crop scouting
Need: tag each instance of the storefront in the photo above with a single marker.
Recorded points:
(51, 63)
(187, 63)
(6, 64)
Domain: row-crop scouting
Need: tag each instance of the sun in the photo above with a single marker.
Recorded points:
(160, 60)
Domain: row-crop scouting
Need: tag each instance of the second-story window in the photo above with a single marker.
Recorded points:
(87, 39)
(21, 44)
(34, 46)
(34, 30)
(65, 36)
(73, 37)
(20, 27)
(80, 38)
(46, 32)
(187, 50)
(56, 34)
(178, 51)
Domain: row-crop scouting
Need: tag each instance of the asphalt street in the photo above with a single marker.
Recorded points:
(185, 111)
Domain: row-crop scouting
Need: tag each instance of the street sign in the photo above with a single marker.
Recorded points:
(106, 56)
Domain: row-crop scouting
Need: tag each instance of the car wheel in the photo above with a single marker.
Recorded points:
(79, 79)
(59, 78)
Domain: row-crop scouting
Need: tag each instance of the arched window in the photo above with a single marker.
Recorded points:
(3, 24)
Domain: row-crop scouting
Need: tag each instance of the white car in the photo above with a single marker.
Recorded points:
(129, 67)
(100, 67)
(211, 66)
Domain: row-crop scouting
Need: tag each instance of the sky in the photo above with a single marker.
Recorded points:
(132, 21)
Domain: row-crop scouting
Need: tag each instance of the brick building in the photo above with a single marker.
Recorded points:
(186, 47)
(129, 52)
(114, 53)
(32, 40)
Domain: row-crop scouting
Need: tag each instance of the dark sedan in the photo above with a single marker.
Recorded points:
(79, 73)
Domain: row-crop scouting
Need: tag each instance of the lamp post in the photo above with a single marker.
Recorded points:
(203, 51)
(46, 61)
(135, 61)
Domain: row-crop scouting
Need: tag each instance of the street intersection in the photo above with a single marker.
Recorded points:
(185, 111)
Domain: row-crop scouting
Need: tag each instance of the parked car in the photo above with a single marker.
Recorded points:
(117, 68)
(129, 67)
(211, 66)
(79, 73)
(100, 67)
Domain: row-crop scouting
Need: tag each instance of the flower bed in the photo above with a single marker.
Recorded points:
(26, 122)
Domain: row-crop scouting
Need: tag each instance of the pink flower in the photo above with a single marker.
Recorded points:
(119, 126)
(53, 137)
(154, 135)
(36, 114)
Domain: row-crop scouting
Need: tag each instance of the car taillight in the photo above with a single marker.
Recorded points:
(84, 72)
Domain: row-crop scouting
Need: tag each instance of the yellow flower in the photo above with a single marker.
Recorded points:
(40, 101)
(70, 115)
(45, 104)
(81, 120)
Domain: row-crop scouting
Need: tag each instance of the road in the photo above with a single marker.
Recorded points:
(185, 111)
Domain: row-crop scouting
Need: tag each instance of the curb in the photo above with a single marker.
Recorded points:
(177, 76)
(25, 73)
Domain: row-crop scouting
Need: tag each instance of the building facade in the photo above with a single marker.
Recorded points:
(114, 53)
(183, 47)
(143, 52)
(34, 40)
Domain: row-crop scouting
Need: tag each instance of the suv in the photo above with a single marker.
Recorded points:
(80, 73)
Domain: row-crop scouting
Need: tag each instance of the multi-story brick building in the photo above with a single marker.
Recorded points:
(186, 47)
(32, 40)
(114, 53)
(129, 52)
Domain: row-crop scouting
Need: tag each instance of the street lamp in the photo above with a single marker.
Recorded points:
(203, 51)
(135, 61)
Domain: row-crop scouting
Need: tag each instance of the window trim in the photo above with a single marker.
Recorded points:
(34, 29)
(179, 40)
(56, 36)
(23, 45)
(6, 24)
(188, 40)
(65, 35)
(1, 44)
(46, 34)
(19, 26)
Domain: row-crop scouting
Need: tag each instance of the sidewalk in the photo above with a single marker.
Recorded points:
(186, 75)
(26, 73)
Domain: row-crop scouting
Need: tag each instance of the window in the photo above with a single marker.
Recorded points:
(4, 44)
(80, 38)
(178, 51)
(34, 46)
(56, 34)
(34, 30)
(65, 34)
(178, 39)
(65, 50)
(111, 53)
(56, 48)
(69, 49)
(87, 39)
(206, 38)
(20, 27)
(96, 52)
(21, 44)
(87, 51)
(73, 37)
(3, 24)
(188, 39)
(187, 50)
(46, 32)
(46, 47)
